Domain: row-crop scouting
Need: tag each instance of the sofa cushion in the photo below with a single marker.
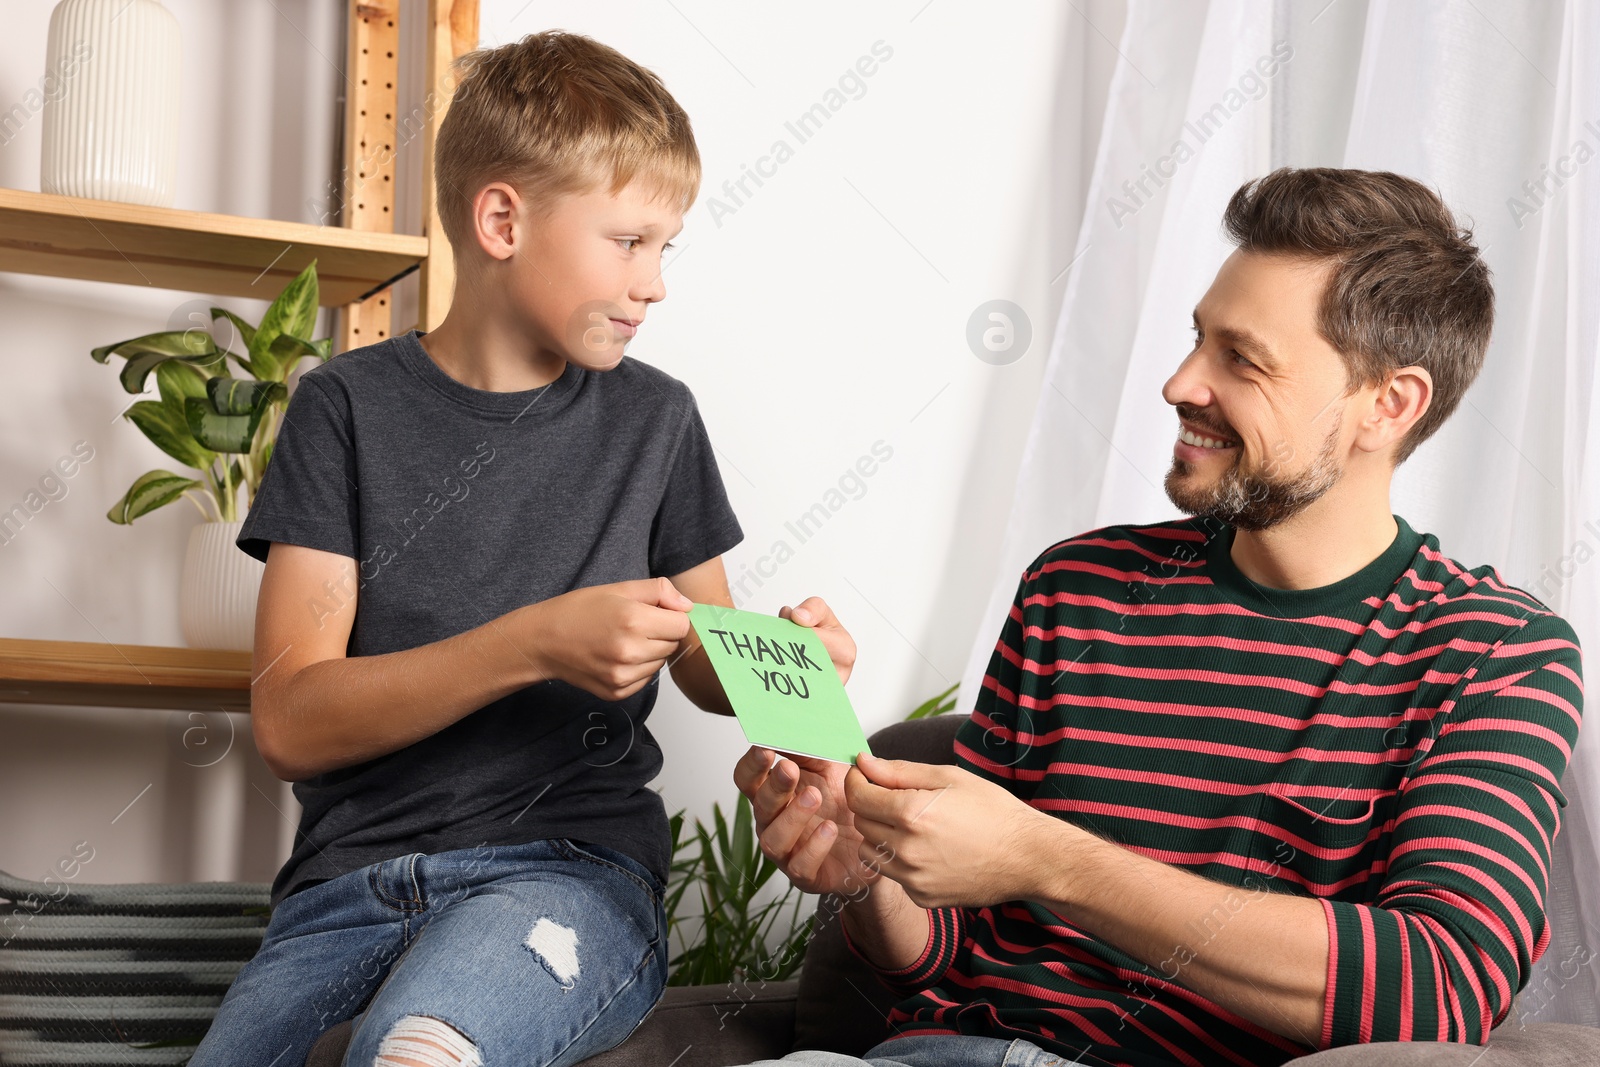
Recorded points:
(1533, 1045)
(690, 1026)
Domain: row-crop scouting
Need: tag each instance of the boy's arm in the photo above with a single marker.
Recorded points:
(315, 710)
(708, 584)
(691, 671)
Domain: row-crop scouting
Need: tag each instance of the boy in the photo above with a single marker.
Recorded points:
(467, 602)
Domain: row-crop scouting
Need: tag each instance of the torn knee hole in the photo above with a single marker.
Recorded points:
(423, 1041)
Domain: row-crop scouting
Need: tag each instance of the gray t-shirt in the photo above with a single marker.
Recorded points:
(461, 505)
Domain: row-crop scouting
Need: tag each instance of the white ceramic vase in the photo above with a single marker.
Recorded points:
(111, 123)
(217, 595)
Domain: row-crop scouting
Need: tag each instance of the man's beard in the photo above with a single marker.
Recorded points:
(1259, 500)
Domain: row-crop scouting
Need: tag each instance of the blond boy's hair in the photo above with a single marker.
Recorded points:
(558, 113)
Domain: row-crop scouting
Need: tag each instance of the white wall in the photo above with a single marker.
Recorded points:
(826, 312)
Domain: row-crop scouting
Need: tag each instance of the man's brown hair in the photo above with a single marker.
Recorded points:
(558, 113)
(1407, 288)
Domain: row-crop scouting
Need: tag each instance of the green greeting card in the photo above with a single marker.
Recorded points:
(781, 683)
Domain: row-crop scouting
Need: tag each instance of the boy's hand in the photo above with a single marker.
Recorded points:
(608, 640)
(815, 613)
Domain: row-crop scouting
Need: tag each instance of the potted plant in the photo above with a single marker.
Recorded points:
(740, 936)
(222, 427)
(733, 937)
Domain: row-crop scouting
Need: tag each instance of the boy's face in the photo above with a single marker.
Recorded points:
(586, 270)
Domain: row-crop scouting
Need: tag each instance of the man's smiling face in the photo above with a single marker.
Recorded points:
(1260, 399)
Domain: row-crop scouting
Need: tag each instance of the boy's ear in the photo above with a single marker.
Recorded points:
(496, 213)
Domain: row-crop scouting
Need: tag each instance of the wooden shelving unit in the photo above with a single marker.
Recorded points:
(167, 248)
(123, 676)
(106, 241)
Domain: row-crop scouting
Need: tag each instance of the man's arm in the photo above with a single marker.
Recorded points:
(956, 839)
(314, 710)
(947, 838)
(1264, 955)
(1454, 927)
(899, 939)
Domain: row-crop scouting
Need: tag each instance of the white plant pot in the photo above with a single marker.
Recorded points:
(217, 597)
(111, 118)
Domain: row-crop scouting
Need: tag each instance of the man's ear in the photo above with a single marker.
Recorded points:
(1397, 403)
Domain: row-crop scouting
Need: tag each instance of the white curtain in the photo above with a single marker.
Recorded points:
(1495, 105)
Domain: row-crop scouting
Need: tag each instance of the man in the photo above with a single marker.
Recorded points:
(1277, 777)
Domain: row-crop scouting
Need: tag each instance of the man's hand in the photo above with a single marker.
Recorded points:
(608, 640)
(815, 613)
(946, 835)
(802, 821)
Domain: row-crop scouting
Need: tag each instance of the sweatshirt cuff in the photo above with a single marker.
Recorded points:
(1330, 997)
(945, 936)
(1369, 995)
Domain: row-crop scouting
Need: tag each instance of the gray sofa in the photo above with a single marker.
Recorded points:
(838, 1005)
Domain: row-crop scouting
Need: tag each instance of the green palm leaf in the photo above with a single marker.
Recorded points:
(937, 705)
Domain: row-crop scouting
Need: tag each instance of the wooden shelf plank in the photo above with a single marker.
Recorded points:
(99, 674)
(195, 251)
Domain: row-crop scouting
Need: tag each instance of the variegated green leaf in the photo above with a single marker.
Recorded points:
(194, 342)
(145, 354)
(294, 312)
(138, 369)
(176, 381)
(247, 332)
(241, 396)
(151, 490)
(168, 430)
(288, 350)
(220, 432)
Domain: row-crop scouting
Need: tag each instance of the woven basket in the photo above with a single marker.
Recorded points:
(95, 975)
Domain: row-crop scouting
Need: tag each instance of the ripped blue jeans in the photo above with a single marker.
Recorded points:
(543, 954)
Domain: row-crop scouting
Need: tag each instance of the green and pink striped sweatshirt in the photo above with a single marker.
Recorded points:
(1391, 744)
